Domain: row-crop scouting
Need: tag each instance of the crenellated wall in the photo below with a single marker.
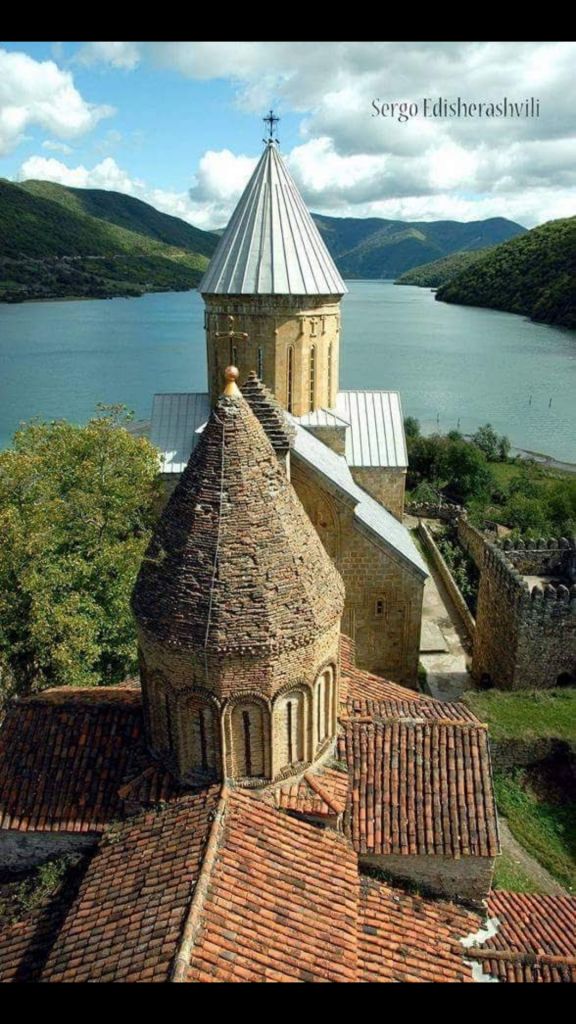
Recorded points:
(526, 636)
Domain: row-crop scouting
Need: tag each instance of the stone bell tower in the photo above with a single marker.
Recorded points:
(272, 294)
(238, 611)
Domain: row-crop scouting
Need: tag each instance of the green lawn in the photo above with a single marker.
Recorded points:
(546, 830)
(510, 876)
(526, 714)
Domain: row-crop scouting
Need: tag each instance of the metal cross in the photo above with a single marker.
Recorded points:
(271, 121)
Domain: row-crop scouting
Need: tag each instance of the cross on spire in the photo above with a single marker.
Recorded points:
(271, 121)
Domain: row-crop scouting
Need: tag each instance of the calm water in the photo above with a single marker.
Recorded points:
(451, 363)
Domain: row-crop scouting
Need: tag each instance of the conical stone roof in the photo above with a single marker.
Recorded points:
(235, 564)
(271, 245)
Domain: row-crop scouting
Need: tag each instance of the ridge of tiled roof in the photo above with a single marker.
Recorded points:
(280, 903)
(235, 565)
(269, 412)
(127, 920)
(419, 787)
(419, 709)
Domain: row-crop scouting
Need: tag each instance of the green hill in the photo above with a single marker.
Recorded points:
(62, 242)
(534, 275)
(439, 272)
(376, 248)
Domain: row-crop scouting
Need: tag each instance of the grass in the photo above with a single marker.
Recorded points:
(508, 875)
(546, 829)
(527, 714)
(19, 898)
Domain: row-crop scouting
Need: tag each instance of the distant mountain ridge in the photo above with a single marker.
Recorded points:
(59, 242)
(440, 272)
(377, 248)
(534, 275)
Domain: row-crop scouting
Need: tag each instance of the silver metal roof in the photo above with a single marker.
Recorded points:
(367, 510)
(376, 434)
(176, 425)
(271, 245)
(178, 421)
(322, 418)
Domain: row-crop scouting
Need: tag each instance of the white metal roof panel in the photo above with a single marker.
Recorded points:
(376, 435)
(271, 245)
(322, 418)
(174, 427)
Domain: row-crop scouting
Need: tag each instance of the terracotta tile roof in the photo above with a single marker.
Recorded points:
(347, 653)
(281, 901)
(410, 938)
(535, 938)
(127, 919)
(319, 794)
(419, 788)
(421, 709)
(63, 756)
(357, 684)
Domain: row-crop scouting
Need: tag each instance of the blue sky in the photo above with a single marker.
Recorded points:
(179, 124)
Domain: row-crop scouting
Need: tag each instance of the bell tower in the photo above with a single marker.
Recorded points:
(272, 293)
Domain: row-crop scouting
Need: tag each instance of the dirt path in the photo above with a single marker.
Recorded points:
(542, 878)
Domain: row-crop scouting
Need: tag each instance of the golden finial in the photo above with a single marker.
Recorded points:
(231, 374)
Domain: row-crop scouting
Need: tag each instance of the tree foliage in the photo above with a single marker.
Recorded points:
(533, 275)
(77, 504)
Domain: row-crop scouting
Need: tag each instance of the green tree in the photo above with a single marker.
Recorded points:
(77, 505)
(411, 427)
(464, 468)
(487, 440)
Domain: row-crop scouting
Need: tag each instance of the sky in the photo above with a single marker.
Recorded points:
(178, 124)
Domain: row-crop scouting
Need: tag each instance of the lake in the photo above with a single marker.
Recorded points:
(454, 365)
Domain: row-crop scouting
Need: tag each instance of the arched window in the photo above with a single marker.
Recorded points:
(158, 714)
(249, 740)
(233, 355)
(198, 739)
(325, 694)
(290, 729)
(290, 380)
(260, 370)
(330, 372)
(312, 381)
(566, 679)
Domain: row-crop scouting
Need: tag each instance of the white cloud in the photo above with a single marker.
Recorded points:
(56, 147)
(107, 174)
(39, 92)
(119, 55)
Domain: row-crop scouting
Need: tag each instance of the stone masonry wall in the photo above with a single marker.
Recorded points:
(20, 851)
(387, 636)
(467, 879)
(386, 485)
(472, 540)
(272, 325)
(525, 639)
(448, 579)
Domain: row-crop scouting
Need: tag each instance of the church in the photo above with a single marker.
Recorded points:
(272, 299)
(259, 806)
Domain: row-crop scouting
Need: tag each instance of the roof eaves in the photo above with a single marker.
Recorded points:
(193, 920)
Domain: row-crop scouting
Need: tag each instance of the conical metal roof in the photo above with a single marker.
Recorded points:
(271, 245)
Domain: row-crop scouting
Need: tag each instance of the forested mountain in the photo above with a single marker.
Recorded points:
(58, 242)
(376, 248)
(439, 272)
(534, 275)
